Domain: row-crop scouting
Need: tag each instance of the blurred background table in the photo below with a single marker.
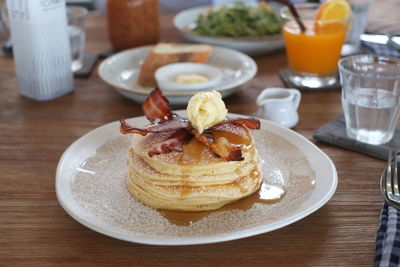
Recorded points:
(35, 230)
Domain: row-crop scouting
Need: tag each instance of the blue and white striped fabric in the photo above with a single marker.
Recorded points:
(388, 238)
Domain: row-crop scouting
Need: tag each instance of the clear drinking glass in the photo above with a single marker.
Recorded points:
(359, 16)
(313, 55)
(370, 97)
(77, 36)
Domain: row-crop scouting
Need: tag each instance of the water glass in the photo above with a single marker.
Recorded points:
(77, 36)
(370, 97)
(359, 16)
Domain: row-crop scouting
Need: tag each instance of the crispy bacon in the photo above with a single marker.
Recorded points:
(156, 107)
(174, 143)
(176, 123)
(250, 123)
(126, 128)
(157, 110)
(221, 146)
(227, 150)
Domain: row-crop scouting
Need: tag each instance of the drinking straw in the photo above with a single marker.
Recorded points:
(294, 12)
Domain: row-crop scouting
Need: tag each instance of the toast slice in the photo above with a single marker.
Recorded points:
(167, 53)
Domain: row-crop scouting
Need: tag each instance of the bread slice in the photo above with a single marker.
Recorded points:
(167, 53)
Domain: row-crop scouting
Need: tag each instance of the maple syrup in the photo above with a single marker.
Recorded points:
(195, 151)
(268, 194)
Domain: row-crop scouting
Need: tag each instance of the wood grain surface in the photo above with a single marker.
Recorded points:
(36, 231)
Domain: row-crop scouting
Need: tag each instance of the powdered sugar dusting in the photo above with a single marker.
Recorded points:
(99, 187)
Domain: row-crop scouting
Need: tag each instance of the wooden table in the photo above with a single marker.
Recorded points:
(35, 230)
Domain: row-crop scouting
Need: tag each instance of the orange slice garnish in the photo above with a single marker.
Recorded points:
(333, 9)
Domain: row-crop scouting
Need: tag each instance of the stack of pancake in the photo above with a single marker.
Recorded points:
(195, 179)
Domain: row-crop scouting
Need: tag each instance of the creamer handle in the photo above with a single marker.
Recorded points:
(296, 97)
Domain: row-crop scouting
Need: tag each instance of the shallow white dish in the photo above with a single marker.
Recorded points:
(166, 76)
(253, 46)
(323, 169)
(121, 71)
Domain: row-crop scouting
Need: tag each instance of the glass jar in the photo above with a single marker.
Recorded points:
(133, 23)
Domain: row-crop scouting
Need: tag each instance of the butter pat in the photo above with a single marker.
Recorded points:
(206, 109)
(190, 78)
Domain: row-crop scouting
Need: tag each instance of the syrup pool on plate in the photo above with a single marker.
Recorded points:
(268, 194)
(194, 151)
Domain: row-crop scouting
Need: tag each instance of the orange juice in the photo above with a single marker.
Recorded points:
(317, 50)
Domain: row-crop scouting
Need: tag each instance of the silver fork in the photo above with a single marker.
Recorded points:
(390, 181)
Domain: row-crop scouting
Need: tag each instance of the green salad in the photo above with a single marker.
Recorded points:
(239, 20)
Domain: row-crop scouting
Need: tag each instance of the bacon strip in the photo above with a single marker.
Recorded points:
(172, 125)
(250, 123)
(126, 128)
(156, 107)
(221, 146)
(157, 110)
(174, 143)
(183, 130)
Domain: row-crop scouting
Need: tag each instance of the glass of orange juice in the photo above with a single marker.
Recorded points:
(313, 55)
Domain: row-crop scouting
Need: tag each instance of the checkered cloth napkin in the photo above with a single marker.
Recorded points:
(381, 49)
(388, 234)
(388, 238)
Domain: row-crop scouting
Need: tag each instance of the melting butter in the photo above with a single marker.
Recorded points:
(190, 78)
(206, 109)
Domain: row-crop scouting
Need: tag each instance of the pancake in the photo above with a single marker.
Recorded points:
(195, 179)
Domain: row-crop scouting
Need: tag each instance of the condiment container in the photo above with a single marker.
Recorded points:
(41, 48)
(133, 23)
(280, 105)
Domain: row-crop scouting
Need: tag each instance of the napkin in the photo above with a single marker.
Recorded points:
(334, 133)
(388, 238)
(89, 60)
(106, 53)
(381, 49)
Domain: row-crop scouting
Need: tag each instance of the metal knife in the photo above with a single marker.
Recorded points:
(393, 41)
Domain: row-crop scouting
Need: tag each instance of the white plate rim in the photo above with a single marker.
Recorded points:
(100, 226)
(144, 91)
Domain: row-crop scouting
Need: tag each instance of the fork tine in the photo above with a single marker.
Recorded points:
(388, 176)
(391, 180)
(395, 175)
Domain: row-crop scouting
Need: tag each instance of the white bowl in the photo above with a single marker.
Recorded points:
(166, 76)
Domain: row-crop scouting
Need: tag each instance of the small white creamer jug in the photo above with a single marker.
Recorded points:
(280, 105)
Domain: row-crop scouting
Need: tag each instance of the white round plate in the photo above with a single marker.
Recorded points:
(121, 71)
(253, 46)
(323, 169)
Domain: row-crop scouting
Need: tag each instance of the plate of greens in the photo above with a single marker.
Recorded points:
(254, 29)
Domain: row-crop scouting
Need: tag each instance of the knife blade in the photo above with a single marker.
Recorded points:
(394, 41)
